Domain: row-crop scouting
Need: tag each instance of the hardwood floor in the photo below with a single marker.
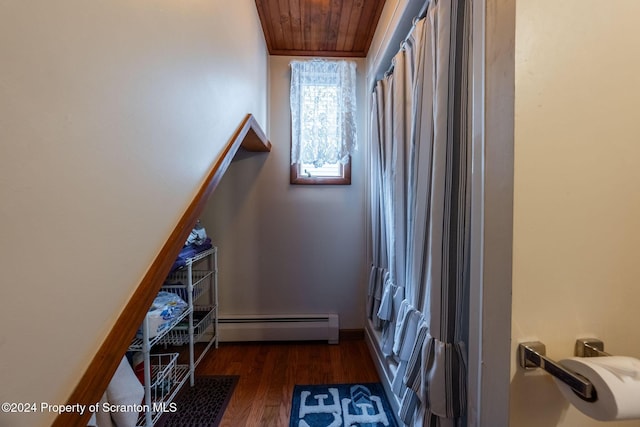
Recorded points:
(268, 372)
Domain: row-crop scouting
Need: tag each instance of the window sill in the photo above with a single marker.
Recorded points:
(299, 178)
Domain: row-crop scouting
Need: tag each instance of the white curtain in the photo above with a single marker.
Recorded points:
(323, 111)
(420, 215)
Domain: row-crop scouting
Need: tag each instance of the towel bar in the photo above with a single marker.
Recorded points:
(532, 355)
(589, 347)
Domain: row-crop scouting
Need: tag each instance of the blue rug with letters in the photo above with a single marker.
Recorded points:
(336, 405)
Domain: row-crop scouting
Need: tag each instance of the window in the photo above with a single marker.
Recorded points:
(323, 131)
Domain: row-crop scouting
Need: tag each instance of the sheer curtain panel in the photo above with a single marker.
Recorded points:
(323, 111)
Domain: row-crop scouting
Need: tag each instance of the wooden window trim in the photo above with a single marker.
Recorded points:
(298, 178)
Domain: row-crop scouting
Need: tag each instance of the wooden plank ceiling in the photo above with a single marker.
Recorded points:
(319, 27)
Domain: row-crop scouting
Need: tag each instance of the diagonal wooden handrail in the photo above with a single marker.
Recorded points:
(94, 382)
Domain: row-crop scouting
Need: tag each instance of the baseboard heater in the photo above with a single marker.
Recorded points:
(296, 327)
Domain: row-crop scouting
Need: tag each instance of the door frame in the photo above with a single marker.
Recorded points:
(493, 79)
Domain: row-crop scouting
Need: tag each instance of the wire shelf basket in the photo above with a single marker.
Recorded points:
(203, 317)
(137, 344)
(177, 283)
(167, 376)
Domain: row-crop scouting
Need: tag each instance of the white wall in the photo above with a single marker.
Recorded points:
(288, 249)
(577, 204)
(111, 114)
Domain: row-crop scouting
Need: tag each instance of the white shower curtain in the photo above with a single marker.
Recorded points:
(420, 215)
